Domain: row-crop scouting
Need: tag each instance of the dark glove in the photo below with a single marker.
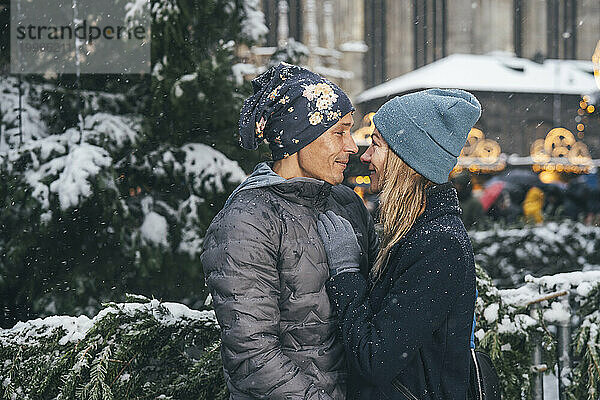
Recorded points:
(341, 246)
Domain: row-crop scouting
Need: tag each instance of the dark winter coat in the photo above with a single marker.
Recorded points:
(266, 269)
(408, 338)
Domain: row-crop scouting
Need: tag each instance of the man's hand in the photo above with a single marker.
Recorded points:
(341, 246)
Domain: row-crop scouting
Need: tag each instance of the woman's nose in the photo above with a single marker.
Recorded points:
(366, 156)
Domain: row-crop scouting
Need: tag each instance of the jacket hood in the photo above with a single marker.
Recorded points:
(262, 176)
(308, 191)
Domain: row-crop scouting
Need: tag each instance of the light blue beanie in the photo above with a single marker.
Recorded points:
(428, 129)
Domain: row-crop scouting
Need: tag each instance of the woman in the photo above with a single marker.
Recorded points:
(406, 328)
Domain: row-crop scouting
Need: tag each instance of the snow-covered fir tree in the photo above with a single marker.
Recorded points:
(110, 188)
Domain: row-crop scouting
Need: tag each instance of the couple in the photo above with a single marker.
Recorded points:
(311, 305)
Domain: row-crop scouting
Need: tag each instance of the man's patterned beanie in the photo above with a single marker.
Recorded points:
(291, 106)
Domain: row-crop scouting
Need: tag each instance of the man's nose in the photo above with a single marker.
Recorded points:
(350, 146)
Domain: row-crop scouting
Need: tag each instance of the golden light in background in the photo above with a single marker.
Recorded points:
(549, 176)
(580, 154)
(480, 154)
(560, 145)
(475, 135)
(363, 135)
(537, 152)
(360, 191)
(596, 61)
(580, 112)
(488, 151)
(590, 109)
(558, 142)
(582, 104)
(361, 180)
(456, 170)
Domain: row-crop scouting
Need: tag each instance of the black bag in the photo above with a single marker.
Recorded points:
(484, 383)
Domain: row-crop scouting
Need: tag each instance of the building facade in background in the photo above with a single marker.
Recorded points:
(409, 34)
(367, 46)
(393, 37)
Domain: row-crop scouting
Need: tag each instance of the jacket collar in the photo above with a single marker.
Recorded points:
(306, 191)
(441, 199)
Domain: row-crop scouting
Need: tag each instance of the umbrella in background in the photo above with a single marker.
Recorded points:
(521, 177)
(490, 194)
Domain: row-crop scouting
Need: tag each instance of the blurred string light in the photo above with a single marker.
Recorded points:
(560, 152)
(361, 180)
(480, 154)
(585, 106)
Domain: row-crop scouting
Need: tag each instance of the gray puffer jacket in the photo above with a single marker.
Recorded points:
(266, 270)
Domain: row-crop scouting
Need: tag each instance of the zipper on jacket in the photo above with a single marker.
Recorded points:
(478, 376)
(404, 390)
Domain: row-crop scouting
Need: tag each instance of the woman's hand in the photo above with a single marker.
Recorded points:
(341, 246)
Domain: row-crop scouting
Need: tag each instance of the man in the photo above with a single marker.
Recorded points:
(263, 260)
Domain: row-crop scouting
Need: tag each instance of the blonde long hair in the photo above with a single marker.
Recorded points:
(402, 201)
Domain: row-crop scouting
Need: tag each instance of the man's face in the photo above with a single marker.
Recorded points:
(327, 156)
(376, 156)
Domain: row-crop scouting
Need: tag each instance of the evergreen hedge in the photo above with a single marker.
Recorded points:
(509, 253)
(142, 349)
(145, 349)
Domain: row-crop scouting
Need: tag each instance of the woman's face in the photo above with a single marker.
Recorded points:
(376, 156)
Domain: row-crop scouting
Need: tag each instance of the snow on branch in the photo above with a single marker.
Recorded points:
(72, 172)
(33, 127)
(164, 350)
(253, 24)
(209, 168)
